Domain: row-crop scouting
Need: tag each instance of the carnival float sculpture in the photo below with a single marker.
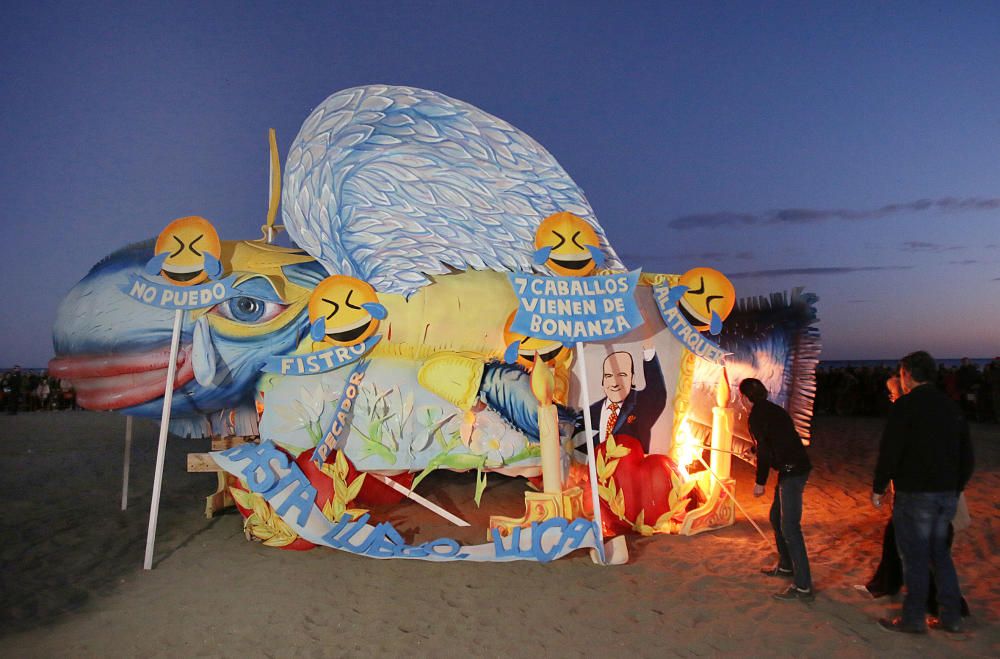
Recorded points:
(448, 291)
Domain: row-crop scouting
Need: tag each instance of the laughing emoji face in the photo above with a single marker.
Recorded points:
(708, 299)
(568, 245)
(187, 252)
(344, 311)
(521, 349)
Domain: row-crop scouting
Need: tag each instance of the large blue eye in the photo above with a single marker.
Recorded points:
(245, 309)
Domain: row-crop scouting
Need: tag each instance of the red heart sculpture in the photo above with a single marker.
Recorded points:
(373, 492)
(319, 480)
(645, 484)
(376, 493)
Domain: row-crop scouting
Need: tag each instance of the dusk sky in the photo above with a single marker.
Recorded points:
(849, 148)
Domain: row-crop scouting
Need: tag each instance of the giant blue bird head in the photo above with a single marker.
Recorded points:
(115, 350)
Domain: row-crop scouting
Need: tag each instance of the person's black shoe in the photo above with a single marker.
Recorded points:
(793, 593)
(777, 571)
(951, 627)
(896, 625)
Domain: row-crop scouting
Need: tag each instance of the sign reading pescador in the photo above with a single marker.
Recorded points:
(575, 309)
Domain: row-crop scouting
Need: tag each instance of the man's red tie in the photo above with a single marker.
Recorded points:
(612, 419)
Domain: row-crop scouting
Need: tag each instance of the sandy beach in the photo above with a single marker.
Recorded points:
(73, 585)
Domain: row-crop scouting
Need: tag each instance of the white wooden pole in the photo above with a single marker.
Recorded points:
(591, 460)
(161, 449)
(733, 497)
(429, 505)
(128, 456)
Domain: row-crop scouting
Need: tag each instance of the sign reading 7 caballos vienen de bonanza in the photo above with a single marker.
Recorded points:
(576, 309)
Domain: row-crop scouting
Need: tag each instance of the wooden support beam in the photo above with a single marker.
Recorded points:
(221, 498)
(201, 462)
(229, 441)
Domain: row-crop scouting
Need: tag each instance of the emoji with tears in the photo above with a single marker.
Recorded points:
(187, 252)
(521, 349)
(568, 245)
(705, 298)
(344, 311)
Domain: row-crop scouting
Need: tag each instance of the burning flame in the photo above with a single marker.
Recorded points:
(543, 382)
(687, 448)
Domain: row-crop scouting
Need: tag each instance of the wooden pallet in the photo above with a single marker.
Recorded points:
(203, 462)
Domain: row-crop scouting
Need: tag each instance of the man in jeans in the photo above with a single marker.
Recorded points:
(779, 447)
(927, 453)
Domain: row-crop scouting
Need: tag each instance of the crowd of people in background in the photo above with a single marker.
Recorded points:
(844, 391)
(860, 391)
(22, 391)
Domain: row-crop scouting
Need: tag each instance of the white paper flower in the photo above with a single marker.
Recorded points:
(431, 423)
(311, 401)
(303, 412)
(494, 439)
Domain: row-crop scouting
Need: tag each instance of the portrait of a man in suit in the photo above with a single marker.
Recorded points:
(626, 410)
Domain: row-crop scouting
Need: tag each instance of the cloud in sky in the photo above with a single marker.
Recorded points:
(705, 257)
(813, 215)
(921, 246)
(715, 256)
(844, 270)
(708, 256)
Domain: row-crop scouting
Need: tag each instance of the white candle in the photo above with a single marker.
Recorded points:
(722, 429)
(542, 386)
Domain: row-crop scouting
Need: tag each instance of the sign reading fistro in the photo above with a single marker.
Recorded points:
(320, 361)
(179, 297)
(575, 309)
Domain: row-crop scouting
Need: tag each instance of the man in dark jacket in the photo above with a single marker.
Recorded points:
(779, 447)
(927, 453)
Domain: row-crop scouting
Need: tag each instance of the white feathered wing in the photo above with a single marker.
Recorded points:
(390, 184)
